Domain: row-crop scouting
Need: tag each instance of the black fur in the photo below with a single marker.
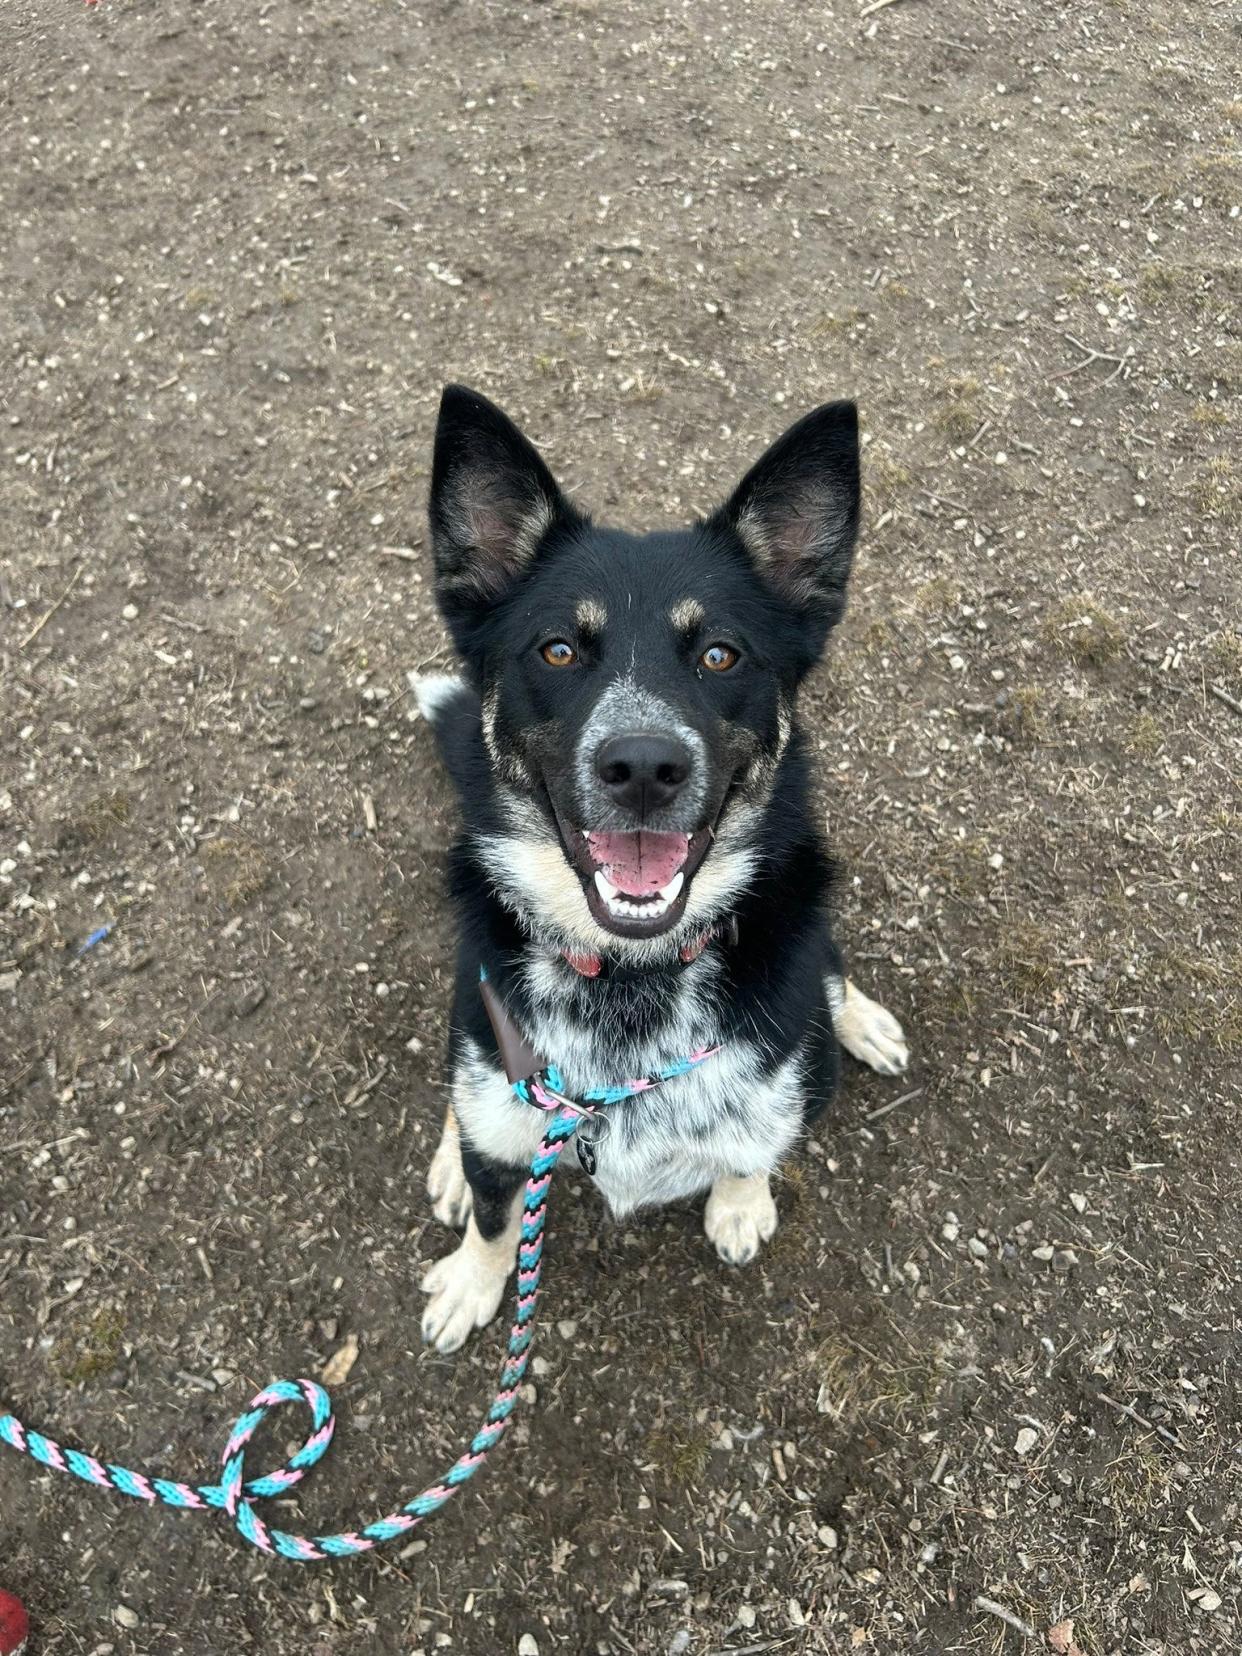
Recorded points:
(763, 578)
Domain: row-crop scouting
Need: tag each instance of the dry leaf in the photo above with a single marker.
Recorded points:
(336, 1369)
(1061, 1639)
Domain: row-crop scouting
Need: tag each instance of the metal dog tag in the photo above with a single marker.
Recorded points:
(586, 1156)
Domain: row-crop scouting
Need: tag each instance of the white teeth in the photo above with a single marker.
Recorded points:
(652, 908)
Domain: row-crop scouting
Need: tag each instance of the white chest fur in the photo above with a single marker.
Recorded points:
(733, 1114)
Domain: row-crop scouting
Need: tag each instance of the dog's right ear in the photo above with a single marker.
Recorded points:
(493, 500)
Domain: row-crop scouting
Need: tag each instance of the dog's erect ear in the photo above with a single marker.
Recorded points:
(492, 499)
(797, 508)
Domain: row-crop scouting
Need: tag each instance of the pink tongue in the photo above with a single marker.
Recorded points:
(639, 863)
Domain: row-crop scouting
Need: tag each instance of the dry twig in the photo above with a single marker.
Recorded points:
(1092, 355)
(1007, 1616)
(887, 1109)
(1132, 1413)
(44, 619)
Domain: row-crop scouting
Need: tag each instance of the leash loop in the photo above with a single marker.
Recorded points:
(235, 1494)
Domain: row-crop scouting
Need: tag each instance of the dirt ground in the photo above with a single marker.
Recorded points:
(993, 1349)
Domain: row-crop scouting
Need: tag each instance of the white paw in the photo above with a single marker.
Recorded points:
(740, 1217)
(870, 1033)
(466, 1291)
(451, 1199)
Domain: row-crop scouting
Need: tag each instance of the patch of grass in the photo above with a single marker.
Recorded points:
(959, 414)
(937, 596)
(85, 1357)
(1087, 632)
(962, 863)
(1232, 111)
(856, 1389)
(1138, 1481)
(887, 481)
(1146, 737)
(1209, 414)
(1022, 718)
(680, 1454)
(1217, 492)
(832, 326)
(239, 869)
(1225, 655)
(1201, 1000)
(795, 1235)
(878, 637)
(1027, 957)
(96, 820)
(1223, 164)
(1160, 283)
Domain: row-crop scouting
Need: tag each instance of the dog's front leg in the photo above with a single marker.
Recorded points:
(740, 1217)
(864, 1028)
(446, 1177)
(467, 1286)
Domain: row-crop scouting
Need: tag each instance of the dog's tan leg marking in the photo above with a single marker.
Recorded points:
(865, 1029)
(446, 1180)
(740, 1217)
(467, 1286)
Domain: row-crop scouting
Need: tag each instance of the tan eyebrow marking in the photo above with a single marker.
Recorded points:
(591, 616)
(686, 614)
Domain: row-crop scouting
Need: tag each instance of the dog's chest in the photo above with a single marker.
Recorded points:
(736, 1112)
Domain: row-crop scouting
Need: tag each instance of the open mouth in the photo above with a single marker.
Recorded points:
(636, 882)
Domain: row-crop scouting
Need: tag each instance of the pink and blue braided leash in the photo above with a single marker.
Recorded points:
(236, 1494)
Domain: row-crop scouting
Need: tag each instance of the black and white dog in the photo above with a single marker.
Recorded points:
(641, 873)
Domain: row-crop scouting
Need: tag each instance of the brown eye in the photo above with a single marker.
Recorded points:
(718, 658)
(558, 654)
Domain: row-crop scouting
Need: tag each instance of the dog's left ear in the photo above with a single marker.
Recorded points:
(797, 508)
(492, 500)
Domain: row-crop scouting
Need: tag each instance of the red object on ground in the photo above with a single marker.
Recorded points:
(14, 1624)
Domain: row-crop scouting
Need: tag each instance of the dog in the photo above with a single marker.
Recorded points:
(641, 874)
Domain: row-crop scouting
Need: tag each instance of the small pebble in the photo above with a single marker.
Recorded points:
(528, 1645)
(1026, 1440)
(129, 613)
(1078, 1201)
(125, 1616)
(827, 1537)
(979, 1249)
(1043, 1253)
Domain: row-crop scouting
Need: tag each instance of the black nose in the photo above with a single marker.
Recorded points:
(643, 772)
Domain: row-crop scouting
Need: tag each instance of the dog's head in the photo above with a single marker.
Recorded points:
(637, 690)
